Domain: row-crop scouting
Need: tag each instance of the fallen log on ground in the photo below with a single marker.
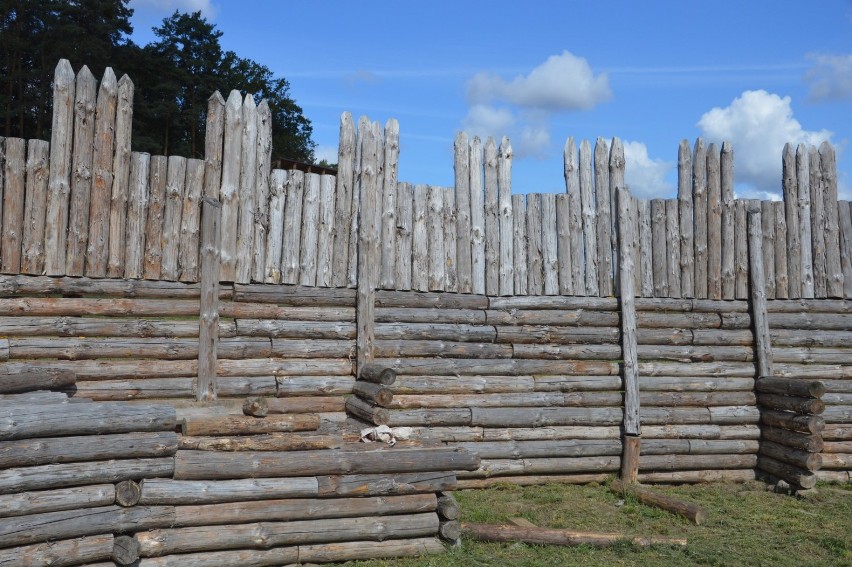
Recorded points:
(507, 533)
(692, 512)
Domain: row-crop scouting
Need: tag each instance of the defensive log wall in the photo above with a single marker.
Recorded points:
(534, 339)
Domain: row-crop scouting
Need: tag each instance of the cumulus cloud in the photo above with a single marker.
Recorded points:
(563, 82)
(327, 153)
(645, 176)
(484, 120)
(830, 78)
(758, 124)
(528, 131)
(206, 7)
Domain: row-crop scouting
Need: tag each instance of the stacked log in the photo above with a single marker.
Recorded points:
(791, 436)
(372, 394)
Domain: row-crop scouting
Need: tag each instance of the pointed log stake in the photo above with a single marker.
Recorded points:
(506, 533)
(692, 512)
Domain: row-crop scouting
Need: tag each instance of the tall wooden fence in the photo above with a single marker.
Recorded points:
(85, 204)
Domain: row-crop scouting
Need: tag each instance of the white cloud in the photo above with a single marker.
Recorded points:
(528, 131)
(758, 124)
(327, 153)
(563, 82)
(484, 120)
(207, 8)
(645, 176)
(830, 78)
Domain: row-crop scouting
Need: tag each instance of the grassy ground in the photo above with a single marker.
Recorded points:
(746, 525)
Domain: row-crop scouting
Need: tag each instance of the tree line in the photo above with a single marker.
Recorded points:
(173, 76)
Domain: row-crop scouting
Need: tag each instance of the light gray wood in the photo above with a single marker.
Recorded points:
(229, 190)
(672, 247)
(28, 503)
(435, 240)
(492, 219)
(646, 247)
(97, 249)
(121, 178)
(248, 425)
(76, 551)
(519, 248)
(461, 170)
(758, 293)
(190, 224)
(451, 280)
(563, 245)
(32, 261)
(137, 211)
(420, 239)
(603, 218)
(263, 167)
(845, 223)
(310, 230)
(505, 211)
(804, 213)
(81, 179)
(275, 235)
(726, 176)
(714, 223)
(325, 237)
(246, 192)
(58, 188)
(356, 219)
(616, 180)
(791, 200)
(741, 258)
(13, 205)
(782, 284)
(833, 264)
(817, 220)
(69, 474)
(154, 223)
(369, 262)
(575, 222)
(208, 330)
(658, 248)
(30, 380)
(404, 230)
(213, 134)
(699, 203)
(388, 188)
(355, 550)
(549, 258)
(626, 258)
(587, 200)
(535, 274)
(687, 226)
(175, 186)
(343, 200)
(292, 227)
(767, 216)
(162, 491)
(634, 234)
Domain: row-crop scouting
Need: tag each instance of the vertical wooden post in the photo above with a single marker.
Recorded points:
(519, 250)
(658, 235)
(355, 219)
(563, 245)
(699, 203)
(121, 178)
(81, 177)
(645, 267)
(767, 215)
(616, 180)
(492, 220)
(214, 129)
(844, 214)
(13, 204)
(36, 198)
(549, 260)
(575, 220)
(310, 230)
(434, 226)
(137, 211)
(387, 185)
(587, 200)
(461, 169)
(154, 223)
(833, 269)
(208, 331)
(420, 239)
(782, 286)
(175, 183)
(791, 200)
(714, 223)
(687, 225)
(672, 247)
(535, 276)
(451, 279)
(477, 217)
(247, 193)
(758, 291)
(325, 240)
(190, 222)
(727, 186)
(228, 192)
(292, 228)
(631, 439)
(603, 210)
(343, 201)
(404, 217)
(804, 210)
(275, 236)
(504, 189)
(817, 222)
(263, 168)
(368, 248)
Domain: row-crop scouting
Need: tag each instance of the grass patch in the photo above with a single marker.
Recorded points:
(746, 525)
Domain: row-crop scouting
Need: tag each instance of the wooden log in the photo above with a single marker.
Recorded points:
(587, 200)
(56, 215)
(419, 240)
(309, 230)
(275, 234)
(190, 224)
(292, 228)
(127, 493)
(65, 475)
(229, 189)
(845, 224)
(74, 551)
(13, 205)
(28, 503)
(793, 439)
(531, 480)
(506, 222)
(699, 199)
(616, 180)
(28, 381)
(672, 248)
(809, 424)
(32, 261)
(806, 460)
(534, 260)
(714, 223)
(208, 331)
(563, 247)
(214, 132)
(540, 416)
(343, 216)
(628, 316)
(630, 457)
(696, 462)
(449, 228)
(554, 465)
(645, 267)
(461, 165)
(404, 217)
(549, 259)
(726, 175)
(603, 219)
(367, 411)
(375, 393)
(154, 221)
(833, 263)
(687, 226)
(434, 227)
(791, 199)
(688, 510)
(175, 186)
(270, 442)
(790, 403)
(496, 400)
(758, 294)
(121, 178)
(247, 425)
(492, 219)
(506, 533)
(575, 219)
(325, 238)
(817, 221)
(767, 216)
(477, 217)
(125, 550)
(256, 407)
(782, 285)
(84, 419)
(741, 257)
(261, 193)
(377, 374)
(136, 215)
(790, 387)
(790, 473)
(658, 232)
(447, 506)
(34, 452)
(804, 213)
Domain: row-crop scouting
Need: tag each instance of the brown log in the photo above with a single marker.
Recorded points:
(532, 480)
(448, 506)
(255, 407)
(62, 553)
(367, 411)
(377, 374)
(698, 476)
(125, 550)
(788, 420)
(247, 425)
(630, 458)
(127, 493)
(692, 512)
(790, 387)
(506, 533)
(790, 473)
(374, 393)
(270, 442)
(695, 462)
(793, 439)
(803, 459)
(307, 404)
(798, 405)
(31, 380)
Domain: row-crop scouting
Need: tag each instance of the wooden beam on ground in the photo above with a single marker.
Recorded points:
(692, 512)
(507, 533)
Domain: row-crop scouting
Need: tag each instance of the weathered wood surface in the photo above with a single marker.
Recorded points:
(628, 314)
(65, 475)
(28, 503)
(659, 252)
(477, 217)
(687, 226)
(28, 381)
(714, 223)
(535, 273)
(804, 212)
(549, 259)
(603, 218)
(435, 229)
(34, 452)
(26, 422)
(790, 387)
(587, 201)
(575, 222)
(692, 512)
(247, 425)
(507, 533)
(190, 224)
(758, 294)
(32, 261)
(461, 165)
(127, 493)
(833, 264)
(563, 246)
(154, 221)
(325, 238)
(699, 200)
(790, 473)
(121, 178)
(309, 230)
(175, 186)
(726, 175)
(137, 214)
(809, 424)
(845, 224)
(492, 218)
(13, 205)
(505, 212)
(367, 411)
(74, 551)
(791, 199)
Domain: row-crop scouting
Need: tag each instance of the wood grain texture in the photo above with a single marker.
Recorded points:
(461, 171)
(32, 261)
(628, 315)
(563, 245)
(782, 285)
(687, 225)
(575, 222)
(190, 221)
(275, 233)
(535, 274)
(714, 223)
(121, 178)
(699, 203)
(492, 218)
(833, 263)
(549, 258)
(81, 179)
(726, 175)
(504, 192)
(263, 168)
(477, 217)
(435, 230)
(309, 230)
(343, 200)
(154, 222)
(213, 139)
(292, 227)
(137, 215)
(229, 189)
(404, 231)
(388, 189)
(175, 187)
(13, 205)
(672, 247)
(804, 214)
(587, 201)
(519, 228)
(603, 218)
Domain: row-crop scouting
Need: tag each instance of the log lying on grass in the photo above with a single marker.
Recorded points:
(507, 533)
(692, 512)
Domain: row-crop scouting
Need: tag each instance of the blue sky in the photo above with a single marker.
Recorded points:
(757, 73)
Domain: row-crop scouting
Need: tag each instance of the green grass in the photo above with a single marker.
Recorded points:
(746, 525)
